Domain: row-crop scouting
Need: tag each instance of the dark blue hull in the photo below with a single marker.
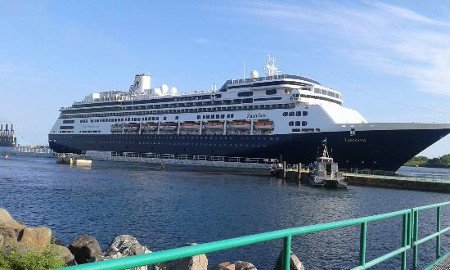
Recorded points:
(377, 149)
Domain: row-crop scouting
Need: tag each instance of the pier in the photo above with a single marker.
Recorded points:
(400, 182)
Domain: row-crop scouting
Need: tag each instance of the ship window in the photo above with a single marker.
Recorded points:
(68, 121)
(317, 129)
(305, 113)
(222, 116)
(295, 130)
(291, 113)
(66, 127)
(245, 94)
(299, 113)
(285, 114)
(297, 123)
(291, 123)
(198, 117)
(176, 117)
(207, 117)
(271, 92)
(304, 123)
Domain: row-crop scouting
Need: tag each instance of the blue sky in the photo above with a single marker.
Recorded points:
(391, 60)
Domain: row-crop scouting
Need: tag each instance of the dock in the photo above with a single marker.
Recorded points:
(399, 182)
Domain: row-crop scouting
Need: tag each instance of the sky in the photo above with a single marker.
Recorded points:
(390, 59)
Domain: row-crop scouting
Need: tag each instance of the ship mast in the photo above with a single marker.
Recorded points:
(270, 67)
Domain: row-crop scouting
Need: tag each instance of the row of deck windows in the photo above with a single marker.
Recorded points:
(297, 113)
(197, 110)
(297, 123)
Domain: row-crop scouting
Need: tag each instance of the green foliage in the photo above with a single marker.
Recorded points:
(30, 260)
(446, 159)
(422, 161)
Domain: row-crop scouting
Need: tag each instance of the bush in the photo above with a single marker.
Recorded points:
(30, 260)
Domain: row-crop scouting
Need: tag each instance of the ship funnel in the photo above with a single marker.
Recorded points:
(12, 127)
(141, 84)
(6, 129)
(1, 127)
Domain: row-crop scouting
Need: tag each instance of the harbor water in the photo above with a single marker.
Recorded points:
(169, 208)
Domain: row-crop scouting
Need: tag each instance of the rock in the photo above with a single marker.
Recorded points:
(124, 246)
(197, 262)
(37, 238)
(225, 266)
(296, 264)
(244, 266)
(65, 254)
(1, 242)
(9, 237)
(4, 216)
(85, 249)
(7, 221)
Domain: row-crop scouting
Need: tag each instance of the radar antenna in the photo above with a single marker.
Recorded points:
(270, 67)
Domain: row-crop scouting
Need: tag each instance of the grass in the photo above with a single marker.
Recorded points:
(30, 260)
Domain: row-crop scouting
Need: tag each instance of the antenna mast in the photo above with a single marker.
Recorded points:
(270, 67)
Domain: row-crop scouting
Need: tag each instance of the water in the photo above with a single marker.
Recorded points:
(165, 209)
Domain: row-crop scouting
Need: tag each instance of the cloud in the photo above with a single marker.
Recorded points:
(380, 36)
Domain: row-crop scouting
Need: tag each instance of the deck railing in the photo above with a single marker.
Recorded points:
(410, 240)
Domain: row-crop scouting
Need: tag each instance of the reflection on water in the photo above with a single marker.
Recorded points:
(165, 209)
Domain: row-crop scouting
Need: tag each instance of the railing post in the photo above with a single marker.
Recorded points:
(415, 235)
(363, 244)
(438, 229)
(405, 238)
(287, 253)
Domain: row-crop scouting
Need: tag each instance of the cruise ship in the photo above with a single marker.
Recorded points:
(276, 116)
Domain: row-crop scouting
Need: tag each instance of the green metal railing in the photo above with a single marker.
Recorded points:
(410, 228)
(439, 231)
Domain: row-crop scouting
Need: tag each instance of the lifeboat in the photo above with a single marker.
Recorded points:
(214, 125)
(149, 126)
(192, 125)
(263, 125)
(239, 124)
(131, 127)
(169, 126)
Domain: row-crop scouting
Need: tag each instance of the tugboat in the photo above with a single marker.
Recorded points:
(324, 171)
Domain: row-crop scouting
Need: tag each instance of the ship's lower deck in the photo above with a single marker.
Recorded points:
(374, 149)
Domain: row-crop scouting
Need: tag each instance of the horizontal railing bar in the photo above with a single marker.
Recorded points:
(183, 252)
(383, 258)
(430, 206)
(431, 236)
(432, 264)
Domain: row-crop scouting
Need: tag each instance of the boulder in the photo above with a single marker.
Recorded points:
(4, 216)
(37, 238)
(124, 246)
(1, 242)
(225, 266)
(85, 249)
(65, 254)
(296, 264)
(9, 237)
(239, 265)
(197, 262)
(7, 221)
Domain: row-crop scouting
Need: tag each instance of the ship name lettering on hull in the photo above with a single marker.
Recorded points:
(355, 140)
(256, 115)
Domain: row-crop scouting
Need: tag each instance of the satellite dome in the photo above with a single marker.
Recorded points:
(173, 91)
(164, 89)
(254, 74)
